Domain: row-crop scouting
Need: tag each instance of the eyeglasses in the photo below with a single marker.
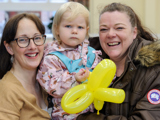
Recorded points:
(23, 42)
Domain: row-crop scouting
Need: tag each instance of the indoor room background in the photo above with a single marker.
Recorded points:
(148, 11)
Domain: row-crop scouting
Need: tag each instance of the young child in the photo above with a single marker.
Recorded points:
(68, 60)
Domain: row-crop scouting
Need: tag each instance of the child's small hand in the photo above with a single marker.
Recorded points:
(82, 75)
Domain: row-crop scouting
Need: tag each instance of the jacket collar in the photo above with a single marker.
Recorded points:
(137, 44)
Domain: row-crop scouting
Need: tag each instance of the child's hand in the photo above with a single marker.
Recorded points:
(82, 75)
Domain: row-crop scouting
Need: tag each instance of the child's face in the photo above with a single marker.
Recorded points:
(72, 33)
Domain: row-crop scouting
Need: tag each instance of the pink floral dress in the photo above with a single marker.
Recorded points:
(55, 78)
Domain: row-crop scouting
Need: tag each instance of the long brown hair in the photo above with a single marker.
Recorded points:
(9, 34)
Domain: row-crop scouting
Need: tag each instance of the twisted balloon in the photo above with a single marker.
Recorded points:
(81, 96)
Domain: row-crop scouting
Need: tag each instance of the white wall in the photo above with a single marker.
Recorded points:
(10, 6)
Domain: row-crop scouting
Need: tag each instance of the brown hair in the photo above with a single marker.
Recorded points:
(9, 34)
(134, 19)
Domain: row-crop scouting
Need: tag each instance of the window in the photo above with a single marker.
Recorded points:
(44, 9)
(3, 1)
(58, 1)
(29, 1)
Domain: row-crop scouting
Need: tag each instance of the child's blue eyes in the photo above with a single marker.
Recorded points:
(69, 26)
(80, 27)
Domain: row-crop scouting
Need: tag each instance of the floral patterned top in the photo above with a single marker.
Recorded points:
(54, 77)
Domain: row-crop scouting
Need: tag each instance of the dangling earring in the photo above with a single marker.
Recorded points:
(12, 58)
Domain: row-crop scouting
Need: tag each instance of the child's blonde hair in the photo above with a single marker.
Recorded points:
(75, 9)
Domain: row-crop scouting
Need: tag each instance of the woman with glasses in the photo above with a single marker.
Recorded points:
(21, 51)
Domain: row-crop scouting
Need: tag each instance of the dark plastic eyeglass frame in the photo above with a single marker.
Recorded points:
(29, 40)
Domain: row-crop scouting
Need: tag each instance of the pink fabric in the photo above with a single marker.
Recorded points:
(56, 79)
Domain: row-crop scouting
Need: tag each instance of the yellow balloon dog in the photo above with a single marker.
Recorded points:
(81, 96)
